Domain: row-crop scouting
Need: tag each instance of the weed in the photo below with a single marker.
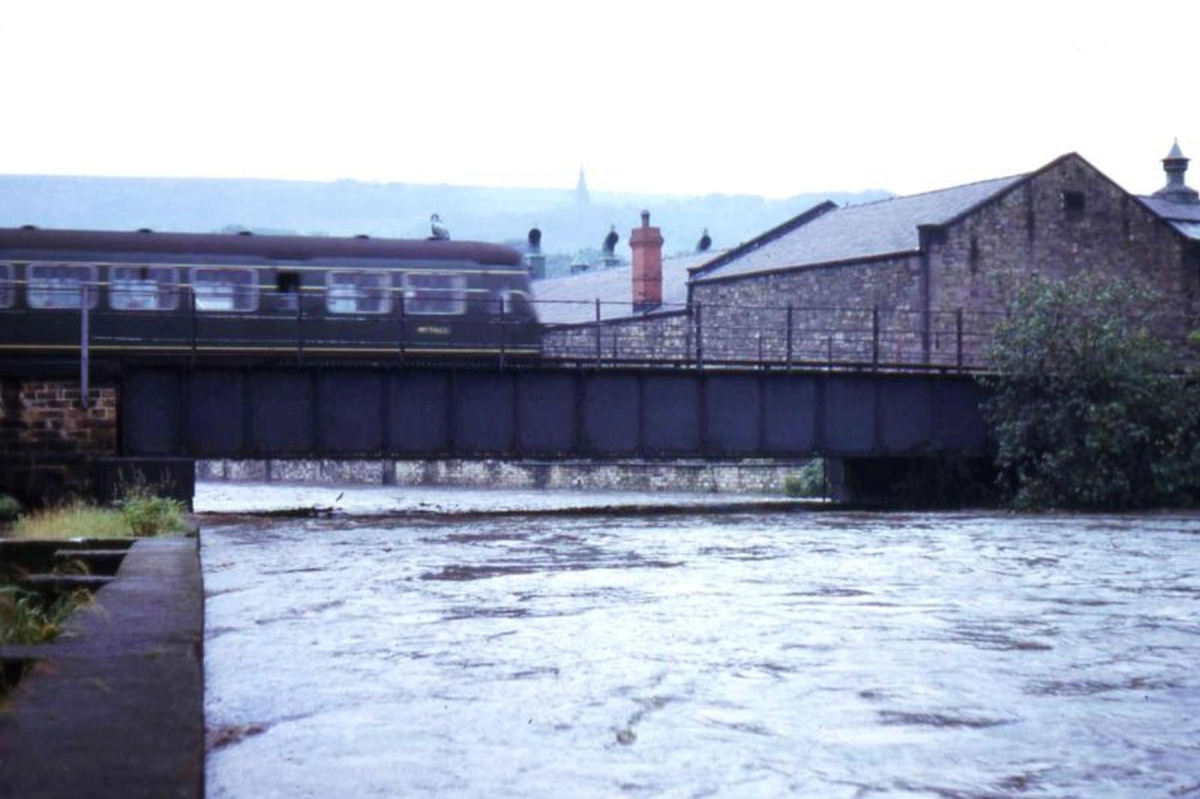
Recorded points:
(73, 520)
(808, 482)
(149, 515)
(10, 509)
(26, 617)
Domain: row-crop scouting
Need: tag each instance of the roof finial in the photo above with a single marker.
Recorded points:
(1177, 190)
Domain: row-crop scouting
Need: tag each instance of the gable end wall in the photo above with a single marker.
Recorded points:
(986, 257)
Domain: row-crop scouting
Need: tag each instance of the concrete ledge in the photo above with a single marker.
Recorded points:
(115, 707)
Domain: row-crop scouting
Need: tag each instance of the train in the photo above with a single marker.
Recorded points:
(147, 292)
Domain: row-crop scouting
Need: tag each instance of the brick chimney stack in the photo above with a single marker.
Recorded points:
(646, 243)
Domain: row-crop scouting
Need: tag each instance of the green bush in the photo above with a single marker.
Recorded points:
(808, 482)
(150, 515)
(1086, 406)
(10, 509)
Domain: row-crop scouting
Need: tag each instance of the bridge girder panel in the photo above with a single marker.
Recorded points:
(314, 412)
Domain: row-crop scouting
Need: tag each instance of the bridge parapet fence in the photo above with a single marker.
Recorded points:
(387, 322)
(771, 336)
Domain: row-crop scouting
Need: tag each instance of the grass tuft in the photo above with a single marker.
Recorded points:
(140, 514)
(74, 520)
(28, 618)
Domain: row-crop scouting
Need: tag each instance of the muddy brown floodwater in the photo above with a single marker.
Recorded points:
(746, 655)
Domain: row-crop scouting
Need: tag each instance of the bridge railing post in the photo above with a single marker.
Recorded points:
(599, 343)
(503, 332)
(402, 331)
(299, 327)
(85, 303)
(191, 293)
(875, 336)
(790, 328)
(958, 334)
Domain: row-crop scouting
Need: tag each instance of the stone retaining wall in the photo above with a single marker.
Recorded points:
(750, 476)
(47, 437)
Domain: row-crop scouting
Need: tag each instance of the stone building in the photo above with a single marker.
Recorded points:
(922, 278)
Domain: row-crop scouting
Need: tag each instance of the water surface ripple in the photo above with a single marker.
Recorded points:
(807, 654)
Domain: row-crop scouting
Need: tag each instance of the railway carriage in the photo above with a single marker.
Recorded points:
(209, 293)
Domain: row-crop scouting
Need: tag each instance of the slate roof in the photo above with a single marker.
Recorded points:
(859, 231)
(572, 299)
(1184, 217)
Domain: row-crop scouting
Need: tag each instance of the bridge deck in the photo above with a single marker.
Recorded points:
(364, 411)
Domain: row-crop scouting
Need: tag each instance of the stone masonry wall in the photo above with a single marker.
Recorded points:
(832, 315)
(751, 476)
(985, 259)
(46, 417)
(658, 336)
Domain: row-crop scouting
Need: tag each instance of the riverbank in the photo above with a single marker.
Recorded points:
(306, 499)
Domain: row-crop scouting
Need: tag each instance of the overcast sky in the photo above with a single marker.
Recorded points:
(689, 98)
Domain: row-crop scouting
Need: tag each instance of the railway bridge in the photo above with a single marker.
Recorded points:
(164, 412)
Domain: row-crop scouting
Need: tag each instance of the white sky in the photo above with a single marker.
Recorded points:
(692, 98)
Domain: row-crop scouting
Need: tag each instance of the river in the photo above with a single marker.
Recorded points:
(444, 652)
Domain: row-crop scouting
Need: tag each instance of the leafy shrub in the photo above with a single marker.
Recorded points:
(10, 509)
(149, 515)
(808, 482)
(1085, 405)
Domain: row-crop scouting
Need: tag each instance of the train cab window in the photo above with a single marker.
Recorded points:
(515, 303)
(441, 293)
(8, 288)
(60, 285)
(287, 291)
(357, 292)
(224, 289)
(142, 288)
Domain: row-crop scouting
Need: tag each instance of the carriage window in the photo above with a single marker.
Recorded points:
(357, 292)
(60, 285)
(435, 293)
(142, 288)
(224, 289)
(8, 290)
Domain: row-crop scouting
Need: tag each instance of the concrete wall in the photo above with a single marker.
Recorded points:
(745, 476)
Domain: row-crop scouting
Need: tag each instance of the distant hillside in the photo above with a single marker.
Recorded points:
(402, 210)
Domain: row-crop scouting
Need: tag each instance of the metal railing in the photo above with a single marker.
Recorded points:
(592, 332)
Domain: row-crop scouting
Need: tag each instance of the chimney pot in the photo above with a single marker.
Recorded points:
(646, 243)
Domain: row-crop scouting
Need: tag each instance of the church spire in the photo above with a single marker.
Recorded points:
(581, 189)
